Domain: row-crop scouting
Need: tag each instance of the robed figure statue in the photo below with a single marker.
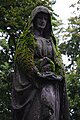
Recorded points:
(39, 88)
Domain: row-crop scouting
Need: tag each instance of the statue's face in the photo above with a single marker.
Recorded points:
(41, 20)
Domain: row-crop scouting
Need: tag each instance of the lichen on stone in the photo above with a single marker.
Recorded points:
(24, 55)
(59, 63)
(25, 50)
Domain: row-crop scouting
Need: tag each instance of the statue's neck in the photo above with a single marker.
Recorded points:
(38, 32)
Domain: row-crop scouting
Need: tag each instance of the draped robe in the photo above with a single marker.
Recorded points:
(35, 98)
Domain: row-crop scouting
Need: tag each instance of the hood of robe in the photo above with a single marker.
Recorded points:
(43, 9)
(39, 9)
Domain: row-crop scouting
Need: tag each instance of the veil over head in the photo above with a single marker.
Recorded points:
(39, 9)
(42, 9)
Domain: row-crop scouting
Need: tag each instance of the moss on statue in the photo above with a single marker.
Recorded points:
(24, 55)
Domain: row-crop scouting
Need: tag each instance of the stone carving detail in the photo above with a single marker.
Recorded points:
(39, 90)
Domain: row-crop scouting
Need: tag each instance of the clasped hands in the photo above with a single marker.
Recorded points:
(46, 73)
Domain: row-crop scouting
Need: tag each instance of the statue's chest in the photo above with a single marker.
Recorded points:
(44, 47)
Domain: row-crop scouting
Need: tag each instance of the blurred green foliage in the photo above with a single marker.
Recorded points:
(13, 18)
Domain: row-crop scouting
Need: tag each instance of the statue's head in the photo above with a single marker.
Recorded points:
(41, 20)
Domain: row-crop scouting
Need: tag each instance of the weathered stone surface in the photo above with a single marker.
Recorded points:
(39, 91)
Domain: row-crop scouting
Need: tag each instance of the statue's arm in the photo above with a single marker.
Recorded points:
(46, 75)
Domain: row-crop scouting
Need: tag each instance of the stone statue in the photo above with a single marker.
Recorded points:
(39, 88)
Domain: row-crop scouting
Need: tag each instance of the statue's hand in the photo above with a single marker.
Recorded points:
(44, 61)
(51, 76)
(59, 78)
(47, 75)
